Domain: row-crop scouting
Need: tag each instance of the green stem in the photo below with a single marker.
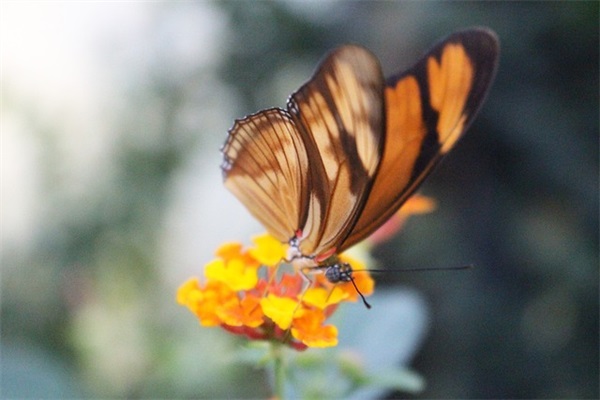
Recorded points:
(277, 351)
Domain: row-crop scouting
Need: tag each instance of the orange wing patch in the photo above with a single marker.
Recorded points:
(405, 134)
(450, 83)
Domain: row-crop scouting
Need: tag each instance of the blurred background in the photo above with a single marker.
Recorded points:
(112, 118)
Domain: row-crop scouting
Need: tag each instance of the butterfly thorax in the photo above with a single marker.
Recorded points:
(334, 270)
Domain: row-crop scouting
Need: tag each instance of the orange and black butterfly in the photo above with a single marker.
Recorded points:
(351, 147)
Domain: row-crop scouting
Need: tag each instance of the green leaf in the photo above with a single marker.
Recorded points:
(403, 379)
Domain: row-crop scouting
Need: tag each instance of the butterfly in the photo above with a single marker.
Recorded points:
(351, 147)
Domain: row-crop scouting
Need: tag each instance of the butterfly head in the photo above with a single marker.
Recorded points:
(341, 272)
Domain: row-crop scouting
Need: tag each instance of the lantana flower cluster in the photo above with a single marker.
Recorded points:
(246, 293)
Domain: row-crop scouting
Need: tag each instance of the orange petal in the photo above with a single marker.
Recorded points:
(309, 329)
(246, 312)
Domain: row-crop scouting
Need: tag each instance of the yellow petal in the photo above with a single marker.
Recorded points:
(321, 297)
(235, 273)
(188, 291)
(268, 251)
(279, 309)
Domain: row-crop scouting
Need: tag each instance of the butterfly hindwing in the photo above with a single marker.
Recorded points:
(428, 108)
(266, 167)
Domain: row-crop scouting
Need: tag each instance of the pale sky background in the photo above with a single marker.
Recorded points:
(70, 67)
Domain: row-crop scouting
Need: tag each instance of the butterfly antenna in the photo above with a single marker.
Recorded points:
(360, 294)
(457, 268)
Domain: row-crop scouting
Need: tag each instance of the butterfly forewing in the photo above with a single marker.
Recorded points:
(266, 167)
(428, 108)
(340, 113)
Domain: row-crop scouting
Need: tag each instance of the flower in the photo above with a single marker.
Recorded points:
(245, 294)
(247, 291)
(204, 301)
